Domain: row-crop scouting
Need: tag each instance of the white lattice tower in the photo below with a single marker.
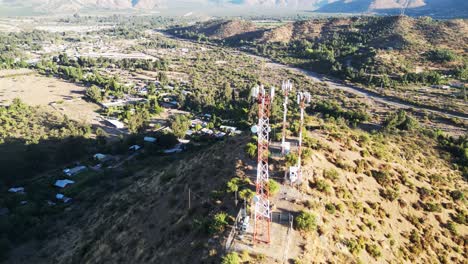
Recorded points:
(295, 172)
(286, 87)
(262, 208)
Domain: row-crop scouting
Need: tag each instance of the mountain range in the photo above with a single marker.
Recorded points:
(436, 8)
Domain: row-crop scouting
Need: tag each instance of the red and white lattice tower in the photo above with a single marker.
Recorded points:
(295, 172)
(286, 87)
(262, 210)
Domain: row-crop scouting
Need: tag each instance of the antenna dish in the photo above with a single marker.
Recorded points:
(254, 92)
(256, 198)
(254, 129)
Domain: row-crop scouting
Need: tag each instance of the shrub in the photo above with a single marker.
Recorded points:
(382, 177)
(415, 245)
(251, 149)
(441, 55)
(461, 217)
(274, 187)
(457, 195)
(401, 121)
(218, 223)
(94, 93)
(231, 258)
(452, 227)
(432, 207)
(390, 194)
(373, 250)
(291, 160)
(355, 246)
(331, 174)
(246, 194)
(234, 184)
(306, 221)
(322, 186)
(330, 208)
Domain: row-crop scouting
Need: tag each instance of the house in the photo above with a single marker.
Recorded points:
(74, 171)
(207, 131)
(458, 84)
(197, 121)
(176, 149)
(228, 128)
(220, 135)
(63, 198)
(16, 190)
(445, 87)
(63, 183)
(134, 148)
(99, 156)
(189, 132)
(184, 141)
(207, 117)
(150, 139)
(116, 123)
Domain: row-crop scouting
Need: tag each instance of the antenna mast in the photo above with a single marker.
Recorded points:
(286, 87)
(262, 208)
(295, 172)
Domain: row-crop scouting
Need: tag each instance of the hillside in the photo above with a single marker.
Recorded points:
(433, 8)
(140, 214)
(379, 197)
(391, 52)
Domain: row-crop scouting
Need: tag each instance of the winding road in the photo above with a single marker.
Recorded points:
(338, 84)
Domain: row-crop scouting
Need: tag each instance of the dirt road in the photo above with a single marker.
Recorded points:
(337, 84)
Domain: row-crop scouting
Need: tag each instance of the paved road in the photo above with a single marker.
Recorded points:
(337, 84)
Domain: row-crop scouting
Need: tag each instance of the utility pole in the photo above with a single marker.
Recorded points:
(189, 200)
(262, 209)
(286, 87)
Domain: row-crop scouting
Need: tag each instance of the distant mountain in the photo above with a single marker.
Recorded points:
(76, 5)
(436, 8)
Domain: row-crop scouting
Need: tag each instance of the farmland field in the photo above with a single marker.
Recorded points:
(61, 96)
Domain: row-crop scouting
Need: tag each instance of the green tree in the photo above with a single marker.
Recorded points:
(274, 187)
(94, 93)
(137, 121)
(180, 125)
(246, 194)
(218, 223)
(227, 91)
(251, 149)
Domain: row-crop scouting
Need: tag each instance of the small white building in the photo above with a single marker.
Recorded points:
(207, 131)
(99, 156)
(228, 128)
(16, 190)
(74, 171)
(150, 139)
(63, 183)
(63, 198)
(116, 123)
(220, 135)
(176, 149)
(134, 148)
